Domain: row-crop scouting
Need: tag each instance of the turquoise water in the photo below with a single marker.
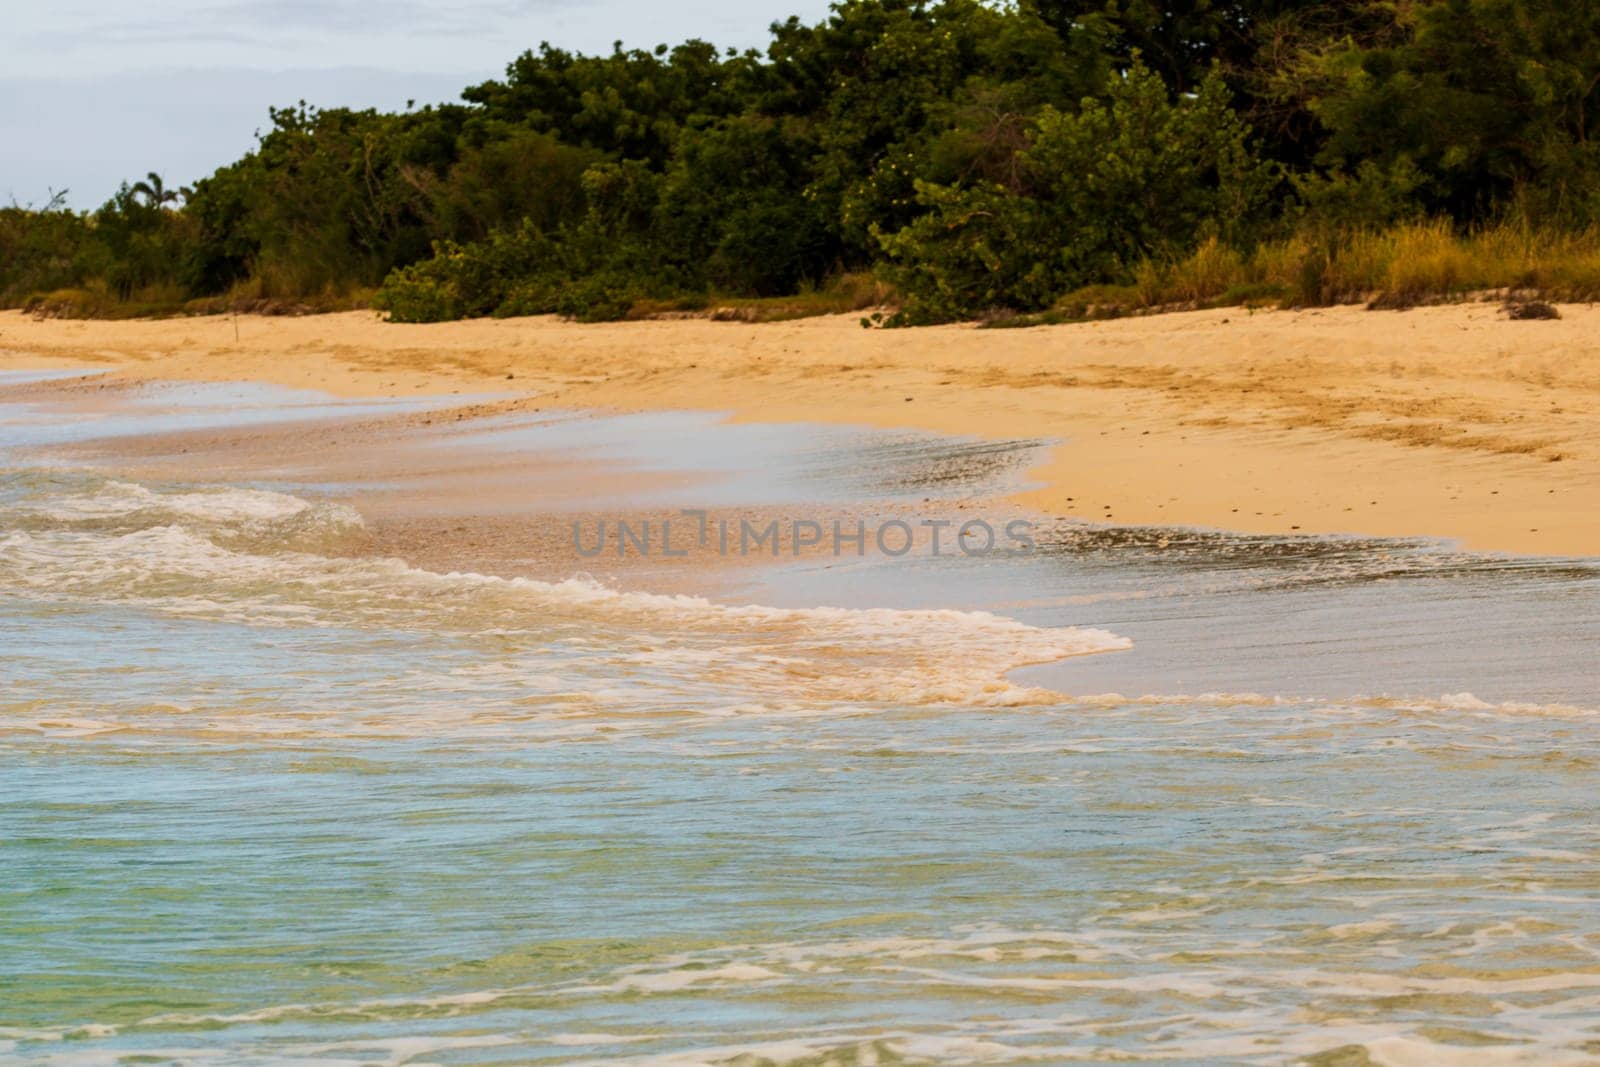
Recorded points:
(262, 803)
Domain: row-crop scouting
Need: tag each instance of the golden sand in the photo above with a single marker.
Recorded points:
(1449, 421)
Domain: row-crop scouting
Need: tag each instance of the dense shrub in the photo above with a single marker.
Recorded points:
(1103, 188)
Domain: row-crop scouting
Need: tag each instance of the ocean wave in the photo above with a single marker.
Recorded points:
(234, 517)
(241, 556)
(117, 499)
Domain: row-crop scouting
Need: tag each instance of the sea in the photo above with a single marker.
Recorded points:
(1136, 795)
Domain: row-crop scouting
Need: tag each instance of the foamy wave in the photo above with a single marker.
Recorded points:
(116, 499)
(235, 517)
(241, 556)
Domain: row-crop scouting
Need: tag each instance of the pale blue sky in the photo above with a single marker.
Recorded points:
(96, 91)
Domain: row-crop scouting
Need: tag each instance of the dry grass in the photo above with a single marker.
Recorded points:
(270, 294)
(1419, 263)
(96, 301)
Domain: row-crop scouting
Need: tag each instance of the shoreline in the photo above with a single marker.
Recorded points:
(495, 488)
(1450, 422)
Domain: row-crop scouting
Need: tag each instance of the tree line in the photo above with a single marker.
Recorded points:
(970, 158)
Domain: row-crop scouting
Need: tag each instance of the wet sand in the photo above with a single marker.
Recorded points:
(512, 489)
(1448, 422)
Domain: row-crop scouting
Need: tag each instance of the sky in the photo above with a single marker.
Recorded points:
(93, 92)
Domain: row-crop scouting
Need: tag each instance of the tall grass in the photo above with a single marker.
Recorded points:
(270, 292)
(96, 300)
(1415, 263)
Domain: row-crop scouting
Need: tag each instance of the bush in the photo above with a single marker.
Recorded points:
(1104, 189)
(973, 250)
(475, 279)
(419, 293)
(1373, 195)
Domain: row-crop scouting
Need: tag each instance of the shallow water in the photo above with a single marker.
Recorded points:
(1207, 611)
(265, 804)
(744, 464)
(168, 407)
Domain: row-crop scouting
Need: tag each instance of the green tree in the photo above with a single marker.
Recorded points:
(1133, 175)
(733, 213)
(1489, 100)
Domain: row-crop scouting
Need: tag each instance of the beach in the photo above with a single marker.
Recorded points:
(341, 725)
(854, 533)
(1451, 422)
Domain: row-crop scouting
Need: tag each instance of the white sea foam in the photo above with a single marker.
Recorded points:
(116, 499)
(250, 556)
(239, 556)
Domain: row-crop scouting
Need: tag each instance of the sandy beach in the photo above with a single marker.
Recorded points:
(1450, 422)
(325, 742)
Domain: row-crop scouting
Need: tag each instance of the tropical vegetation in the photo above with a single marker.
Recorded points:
(955, 159)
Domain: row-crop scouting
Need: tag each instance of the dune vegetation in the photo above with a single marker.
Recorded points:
(913, 161)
